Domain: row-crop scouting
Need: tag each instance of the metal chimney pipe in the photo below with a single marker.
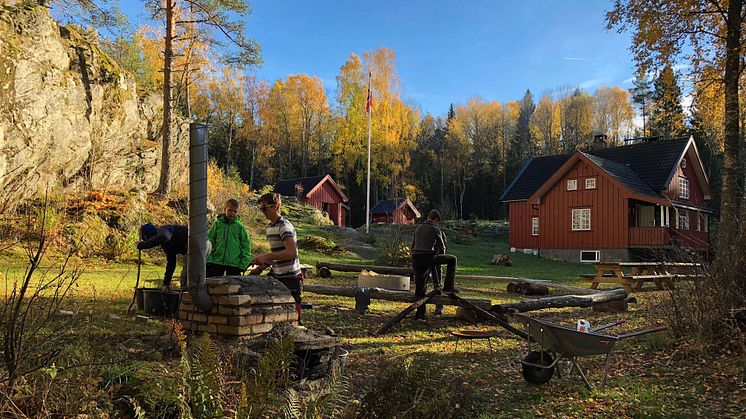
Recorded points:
(197, 249)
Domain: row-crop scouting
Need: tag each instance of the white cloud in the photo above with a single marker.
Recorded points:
(588, 84)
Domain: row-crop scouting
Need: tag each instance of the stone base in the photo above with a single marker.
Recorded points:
(573, 255)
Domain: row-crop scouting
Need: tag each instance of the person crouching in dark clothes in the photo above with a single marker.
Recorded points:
(428, 242)
(173, 240)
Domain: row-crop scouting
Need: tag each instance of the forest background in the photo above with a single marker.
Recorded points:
(262, 131)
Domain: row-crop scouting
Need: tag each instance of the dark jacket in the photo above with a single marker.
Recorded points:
(173, 240)
(231, 245)
(428, 239)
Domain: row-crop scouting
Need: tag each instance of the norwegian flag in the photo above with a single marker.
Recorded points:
(369, 102)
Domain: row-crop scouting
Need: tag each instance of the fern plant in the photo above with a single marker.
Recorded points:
(330, 401)
(258, 395)
(201, 394)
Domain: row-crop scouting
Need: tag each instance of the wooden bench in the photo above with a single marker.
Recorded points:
(663, 274)
(659, 280)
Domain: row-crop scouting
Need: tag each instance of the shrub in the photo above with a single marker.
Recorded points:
(318, 243)
(410, 388)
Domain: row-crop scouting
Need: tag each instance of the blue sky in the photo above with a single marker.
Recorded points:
(446, 51)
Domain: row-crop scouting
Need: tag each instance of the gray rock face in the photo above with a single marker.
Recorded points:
(71, 118)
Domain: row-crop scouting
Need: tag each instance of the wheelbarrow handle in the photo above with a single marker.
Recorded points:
(606, 326)
(643, 332)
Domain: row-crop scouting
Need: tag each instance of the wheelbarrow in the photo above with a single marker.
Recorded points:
(558, 343)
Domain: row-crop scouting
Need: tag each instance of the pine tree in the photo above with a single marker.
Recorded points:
(642, 96)
(521, 145)
(667, 116)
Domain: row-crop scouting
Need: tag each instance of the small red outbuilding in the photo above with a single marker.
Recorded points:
(394, 211)
(320, 192)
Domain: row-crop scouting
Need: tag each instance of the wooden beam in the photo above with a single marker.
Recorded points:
(561, 301)
(396, 319)
(351, 267)
(406, 271)
(390, 295)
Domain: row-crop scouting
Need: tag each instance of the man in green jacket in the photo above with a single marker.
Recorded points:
(231, 244)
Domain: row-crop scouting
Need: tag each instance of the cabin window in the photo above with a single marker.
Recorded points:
(572, 185)
(581, 219)
(535, 226)
(683, 220)
(683, 188)
(590, 256)
(706, 229)
(590, 183)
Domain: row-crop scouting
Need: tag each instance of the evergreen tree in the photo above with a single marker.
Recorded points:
(522, 145)
(642, 97)
(667, 116)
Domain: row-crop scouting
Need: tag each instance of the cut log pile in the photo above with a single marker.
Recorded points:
(502, 260)
(242, 306)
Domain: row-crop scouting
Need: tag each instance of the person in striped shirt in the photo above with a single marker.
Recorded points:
(283, 257)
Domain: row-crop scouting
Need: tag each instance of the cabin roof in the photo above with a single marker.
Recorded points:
(645, 168)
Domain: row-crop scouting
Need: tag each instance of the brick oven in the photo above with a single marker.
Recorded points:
(243, 306)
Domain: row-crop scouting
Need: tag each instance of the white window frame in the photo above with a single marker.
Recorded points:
(596, 259)
(581, 219)
(572, 185)
(590, 183)
(683, 187)
(534, 226)
(683, 220)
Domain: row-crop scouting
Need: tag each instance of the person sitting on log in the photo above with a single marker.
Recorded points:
(173, 240)
(427, 244)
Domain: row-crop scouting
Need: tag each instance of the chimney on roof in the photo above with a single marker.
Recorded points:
(599, 142)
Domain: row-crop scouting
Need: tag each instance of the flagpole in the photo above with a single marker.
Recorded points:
(367, 195)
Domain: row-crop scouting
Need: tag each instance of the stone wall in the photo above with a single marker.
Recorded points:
(70, 117)
(573, 255)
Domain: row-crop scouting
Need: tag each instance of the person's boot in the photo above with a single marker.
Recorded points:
(451, 290)
(438, 310)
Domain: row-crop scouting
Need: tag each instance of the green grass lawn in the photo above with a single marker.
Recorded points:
(654, 376)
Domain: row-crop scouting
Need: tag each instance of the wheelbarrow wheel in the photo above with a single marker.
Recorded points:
(537, 375)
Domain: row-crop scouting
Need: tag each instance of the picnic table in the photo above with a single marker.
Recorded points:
(660, 273)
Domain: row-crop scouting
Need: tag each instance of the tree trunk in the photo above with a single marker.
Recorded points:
(164, 184)
(729, 203)
(391, 295)
(253, 158)
(561, 301)
(349, 267)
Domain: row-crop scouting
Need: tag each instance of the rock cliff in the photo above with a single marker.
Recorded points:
(70, 117)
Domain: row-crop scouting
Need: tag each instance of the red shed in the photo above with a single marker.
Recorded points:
(320, 192)
(394, 211)
(611, 204)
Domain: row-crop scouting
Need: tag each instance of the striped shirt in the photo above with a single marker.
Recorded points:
(276, 234)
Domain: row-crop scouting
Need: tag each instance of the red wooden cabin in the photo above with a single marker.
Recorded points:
(394, 211)
(611, 204)
(319, 192)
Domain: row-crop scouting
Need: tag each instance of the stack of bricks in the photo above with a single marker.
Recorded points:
(245, 306)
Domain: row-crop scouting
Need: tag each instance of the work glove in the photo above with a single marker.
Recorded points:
(208, 247)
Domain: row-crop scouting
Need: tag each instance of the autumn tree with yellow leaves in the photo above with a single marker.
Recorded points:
(394, 126)
(217, 25)
(297, 119)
